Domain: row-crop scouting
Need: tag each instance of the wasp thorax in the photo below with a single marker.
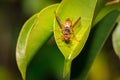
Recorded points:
(67, 26)
(68, 23)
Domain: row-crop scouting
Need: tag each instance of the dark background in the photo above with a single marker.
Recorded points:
(13, 14)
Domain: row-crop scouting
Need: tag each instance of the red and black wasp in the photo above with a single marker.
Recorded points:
(67, 27)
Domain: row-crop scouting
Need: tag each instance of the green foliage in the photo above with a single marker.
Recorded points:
(94, 21)
(97, 38)
(104, 11)
(116, 39)
(34, 34)
(30, 7)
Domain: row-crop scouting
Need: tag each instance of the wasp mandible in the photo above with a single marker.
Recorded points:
(67, 27)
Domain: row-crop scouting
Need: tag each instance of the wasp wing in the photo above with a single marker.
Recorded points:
(58, 20)
(76, 22)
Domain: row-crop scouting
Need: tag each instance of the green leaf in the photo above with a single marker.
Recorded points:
(74, 9)
(99, 6)
(45, 64)
(31, 7)
(104, 11)
(116, 40)
(97, 38)
(35, 32)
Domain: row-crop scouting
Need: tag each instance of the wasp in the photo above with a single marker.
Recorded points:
(67, 27)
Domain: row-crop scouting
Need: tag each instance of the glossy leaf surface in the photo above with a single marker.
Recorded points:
(35, 32)
(74, 9)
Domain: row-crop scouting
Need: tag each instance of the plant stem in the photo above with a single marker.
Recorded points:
(67, 69)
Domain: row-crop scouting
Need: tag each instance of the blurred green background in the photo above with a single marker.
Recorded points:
(48, 64)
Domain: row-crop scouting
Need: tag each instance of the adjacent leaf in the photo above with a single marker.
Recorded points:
(116, 40)
(33, 35)
(105, 11)
(97, 38)
(74, 9)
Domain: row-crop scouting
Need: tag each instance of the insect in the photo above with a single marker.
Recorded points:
(112, 2)
(67, 27)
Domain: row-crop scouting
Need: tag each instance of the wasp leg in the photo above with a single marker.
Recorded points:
(112, 2)
(76, 22)
(75, 38)
(59, 21)
(61, 37)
